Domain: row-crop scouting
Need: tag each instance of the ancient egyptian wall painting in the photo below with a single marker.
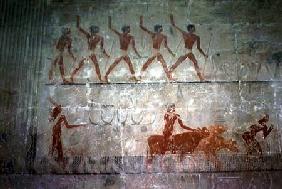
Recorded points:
(125, 92)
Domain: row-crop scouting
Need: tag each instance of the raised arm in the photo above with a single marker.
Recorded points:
(143, 27)
(134, 48)
(166, 46)
(103, 49)
(182, 125)
(80, 29)
(68, 125)
(173, 24)
(110, 26)
(266, 130)
(199, 47)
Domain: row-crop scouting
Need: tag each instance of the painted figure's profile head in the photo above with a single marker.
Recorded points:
(125, 29)
(66, 31)
(171, 107)
(264, 119)
(55, 112)
(158, 28)
(94, 29)
(191, 28)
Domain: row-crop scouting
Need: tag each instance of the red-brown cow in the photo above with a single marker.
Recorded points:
(181, 143)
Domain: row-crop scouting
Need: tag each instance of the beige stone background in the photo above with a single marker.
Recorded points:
(238, 36)
(234, 95)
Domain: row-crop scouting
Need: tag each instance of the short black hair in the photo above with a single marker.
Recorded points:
(94, 29)
(190, 27)
(264, 119)
(157, 27)
(125, 28)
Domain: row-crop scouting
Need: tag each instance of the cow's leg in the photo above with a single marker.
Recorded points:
(191, 162)
(161, 163)
(149, 158)
(182, 154)
(180, 162)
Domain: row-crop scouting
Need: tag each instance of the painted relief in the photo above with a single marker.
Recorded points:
(157, 91)
(126, 40)
(212, 144)
(252, 145)
(64, 43)
(94, 40)
(207, 140)
(189, 39)
(192, 141)
(157, 39)
(59, 121)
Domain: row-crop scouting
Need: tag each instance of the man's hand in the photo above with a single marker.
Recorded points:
(106, 54)
(77, 21)
(171, 20)
(141, 20)
(271, 127)
(110, 22)
(74, 58)
(50, 74)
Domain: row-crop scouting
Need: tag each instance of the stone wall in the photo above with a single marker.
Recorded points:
(242, 71)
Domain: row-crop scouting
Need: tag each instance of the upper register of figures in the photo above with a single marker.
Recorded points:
(119, 66)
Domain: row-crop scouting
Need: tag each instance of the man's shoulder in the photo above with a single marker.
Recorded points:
(163, 35)
(99, 36)
(196, 36)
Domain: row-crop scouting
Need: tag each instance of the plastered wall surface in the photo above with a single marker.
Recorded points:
(242, 84)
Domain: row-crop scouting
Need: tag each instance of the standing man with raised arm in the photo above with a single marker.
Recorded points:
(158, 39)
(63, 43)
(125, 39)
(189, 39)
(93, 40)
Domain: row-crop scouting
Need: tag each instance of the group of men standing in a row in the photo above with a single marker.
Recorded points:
(126, 40)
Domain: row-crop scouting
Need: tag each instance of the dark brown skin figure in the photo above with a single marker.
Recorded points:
(158, 39)
(189, 39)
(64, 42)
(250, 136)
(59, 121)
(93, 39)
(125, 40)
(170, 118)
